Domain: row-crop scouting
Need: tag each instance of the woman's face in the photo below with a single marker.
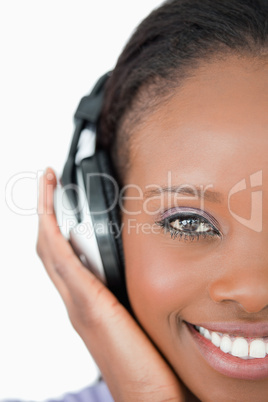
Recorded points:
(212, 269)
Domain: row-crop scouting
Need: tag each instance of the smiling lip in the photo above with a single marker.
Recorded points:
(224, 363)
(247, 330)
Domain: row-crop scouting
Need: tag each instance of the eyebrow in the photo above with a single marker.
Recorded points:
(209, 195)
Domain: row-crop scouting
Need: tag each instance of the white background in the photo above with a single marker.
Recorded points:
(51, 54)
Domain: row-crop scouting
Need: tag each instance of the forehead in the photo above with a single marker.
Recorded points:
(213, 130)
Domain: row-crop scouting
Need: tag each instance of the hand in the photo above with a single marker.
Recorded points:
(131, 366)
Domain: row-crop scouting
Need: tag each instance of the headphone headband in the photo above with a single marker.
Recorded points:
(87, 113)
(90, 106)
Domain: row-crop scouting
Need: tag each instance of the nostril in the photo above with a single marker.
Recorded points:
(252, 297)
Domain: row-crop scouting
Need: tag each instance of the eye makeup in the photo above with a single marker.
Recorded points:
(189, 224)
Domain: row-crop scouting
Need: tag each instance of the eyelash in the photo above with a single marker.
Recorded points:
(187, 235)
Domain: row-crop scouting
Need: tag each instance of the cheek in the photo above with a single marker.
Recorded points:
(159, 282)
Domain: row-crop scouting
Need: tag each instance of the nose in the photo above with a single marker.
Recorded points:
(245, 284)
(251, 294)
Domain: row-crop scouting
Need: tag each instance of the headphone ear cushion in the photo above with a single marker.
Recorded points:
(111, 192)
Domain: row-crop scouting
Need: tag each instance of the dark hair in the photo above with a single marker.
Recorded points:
(165, 48)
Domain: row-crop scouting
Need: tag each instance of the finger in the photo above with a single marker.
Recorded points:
(65, 269)
(48, 229)
(90, 299)
(47, 185)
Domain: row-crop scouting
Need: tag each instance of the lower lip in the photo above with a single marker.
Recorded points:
(231, 366)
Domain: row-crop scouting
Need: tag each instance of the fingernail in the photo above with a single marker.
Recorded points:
(48, 174)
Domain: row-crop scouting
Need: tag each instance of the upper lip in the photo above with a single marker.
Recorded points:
(253, 330)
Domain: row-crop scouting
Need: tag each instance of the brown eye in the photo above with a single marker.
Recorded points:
(189, 227)
(191, 224)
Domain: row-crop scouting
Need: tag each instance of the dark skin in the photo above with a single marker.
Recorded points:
(215, 133)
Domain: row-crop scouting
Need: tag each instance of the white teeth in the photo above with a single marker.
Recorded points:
(215, 339)
(207, 334)
(257, 349)
(236, 346)
(240, 347)
(226, 344)
(202, 330)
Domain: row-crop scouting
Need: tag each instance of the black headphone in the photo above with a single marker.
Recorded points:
(91, 192)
